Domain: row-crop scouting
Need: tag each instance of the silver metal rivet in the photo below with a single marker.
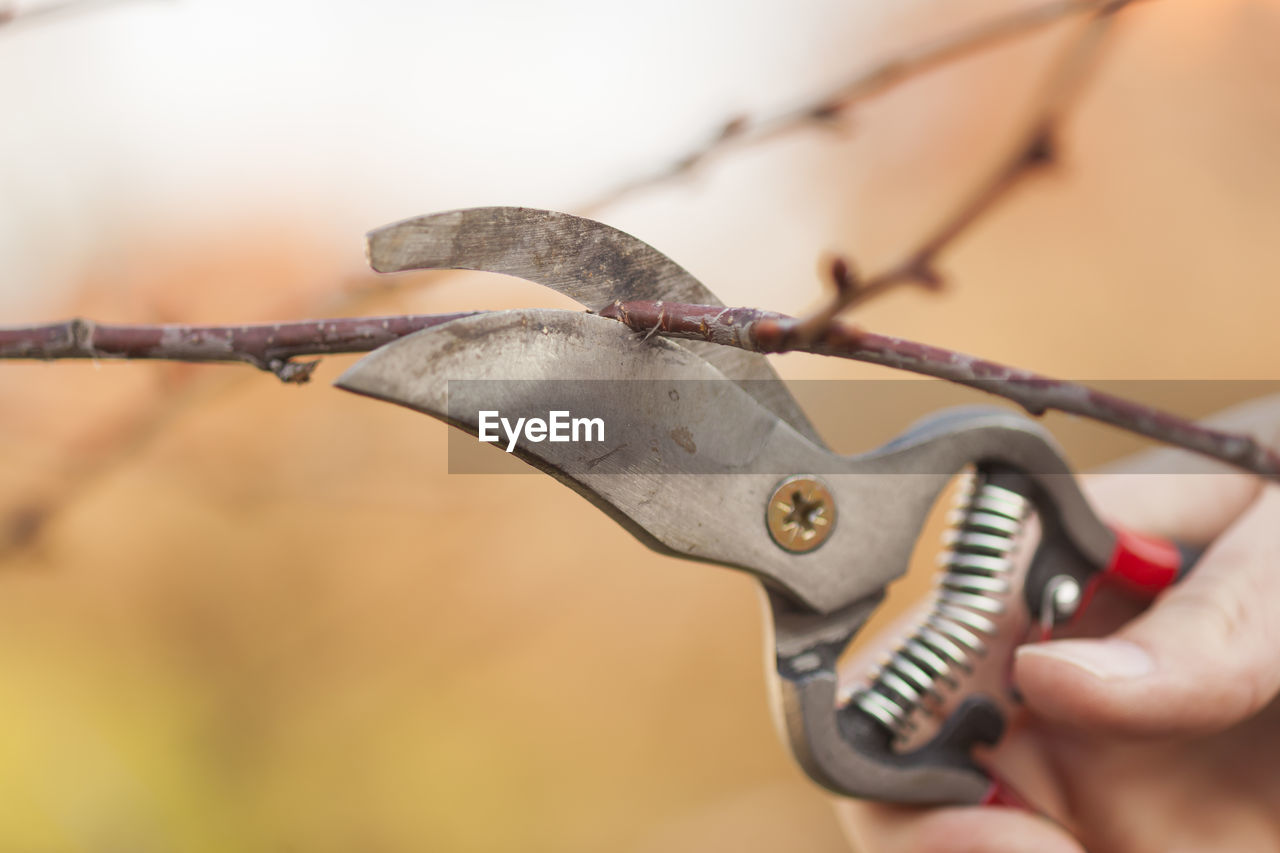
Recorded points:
(1059, 602)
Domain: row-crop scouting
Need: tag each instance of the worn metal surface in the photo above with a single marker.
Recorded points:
(593, 263)
(690, 475)
(707, 504)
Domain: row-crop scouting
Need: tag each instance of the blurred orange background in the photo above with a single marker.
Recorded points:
(241, 615)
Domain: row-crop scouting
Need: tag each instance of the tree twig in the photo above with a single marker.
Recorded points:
(273, 347)
(769, 332)
(743, 131)
(268, 346)
(1034, 149)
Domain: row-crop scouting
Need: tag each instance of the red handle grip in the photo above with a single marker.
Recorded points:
(1143, 564)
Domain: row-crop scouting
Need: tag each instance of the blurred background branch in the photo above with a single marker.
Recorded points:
(1034, 148)
(833, 108)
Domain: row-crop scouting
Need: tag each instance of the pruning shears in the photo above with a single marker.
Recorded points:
(706, 456)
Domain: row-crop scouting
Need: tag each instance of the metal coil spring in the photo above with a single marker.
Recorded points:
(977, 561)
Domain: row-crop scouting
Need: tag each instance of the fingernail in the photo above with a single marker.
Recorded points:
(1108, 660)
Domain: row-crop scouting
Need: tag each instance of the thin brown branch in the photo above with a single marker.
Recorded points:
(1034, 149)
(743, 131)
(268, 346)
(768, 332)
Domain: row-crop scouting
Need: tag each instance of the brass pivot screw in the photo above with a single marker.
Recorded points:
(801, 514)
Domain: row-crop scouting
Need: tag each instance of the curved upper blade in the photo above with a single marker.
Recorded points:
(589, 261)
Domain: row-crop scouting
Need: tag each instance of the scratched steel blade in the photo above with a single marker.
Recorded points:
(692, 473)
(586, 260)
(678, 478)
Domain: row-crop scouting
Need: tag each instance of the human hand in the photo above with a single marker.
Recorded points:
(1164, 735)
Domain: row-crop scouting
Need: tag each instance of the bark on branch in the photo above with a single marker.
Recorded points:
(274, 346)
(267, 346)
(768, 332)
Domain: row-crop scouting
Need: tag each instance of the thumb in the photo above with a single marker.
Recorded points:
(1202, 658)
